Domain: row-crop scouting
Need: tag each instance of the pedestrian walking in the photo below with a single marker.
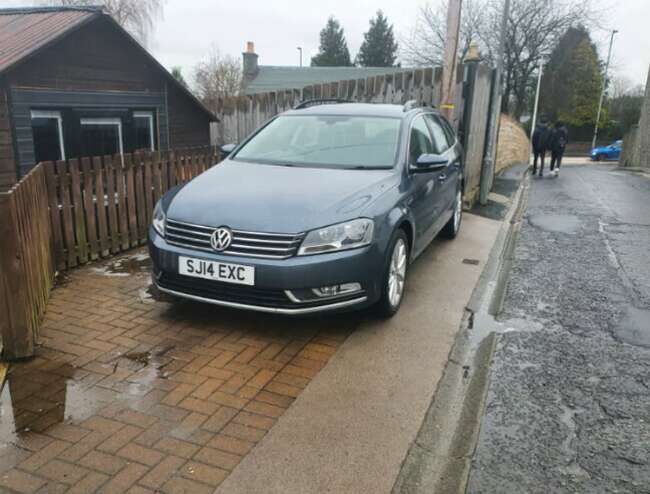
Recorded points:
(559, 140)
(541, 138)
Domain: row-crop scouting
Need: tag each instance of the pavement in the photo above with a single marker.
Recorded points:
(351, 429)
(128, 394)
(568, 405)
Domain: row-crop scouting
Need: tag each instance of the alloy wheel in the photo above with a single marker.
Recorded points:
(458, 210)
(397, 273)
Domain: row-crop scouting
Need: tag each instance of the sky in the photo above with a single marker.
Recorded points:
(190, 28)
(277, 27)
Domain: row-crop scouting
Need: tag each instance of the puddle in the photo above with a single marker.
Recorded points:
(562, 223)
(635, 327)
(34, 401)
(568, 418)
(126, 265)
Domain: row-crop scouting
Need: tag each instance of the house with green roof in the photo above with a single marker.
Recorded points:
(266, 78)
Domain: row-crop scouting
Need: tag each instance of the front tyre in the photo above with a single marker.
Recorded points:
(451, 229)
(393, 281)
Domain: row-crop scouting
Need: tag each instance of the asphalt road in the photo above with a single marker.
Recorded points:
(568, 407)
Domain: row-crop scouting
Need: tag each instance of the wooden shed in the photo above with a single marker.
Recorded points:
(74, 83)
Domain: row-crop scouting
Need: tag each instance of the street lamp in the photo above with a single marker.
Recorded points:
(299, 48)
(602, 92)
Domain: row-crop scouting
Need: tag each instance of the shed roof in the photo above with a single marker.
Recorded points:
(277, 77)
(26, 31)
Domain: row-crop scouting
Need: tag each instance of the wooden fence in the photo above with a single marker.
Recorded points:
(240, 116)
(26, 263)
(66, 213)
(101, 206)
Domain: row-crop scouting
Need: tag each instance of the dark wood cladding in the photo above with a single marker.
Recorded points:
(94, 65)
(97, 56)
(187, 126)
(7, 158)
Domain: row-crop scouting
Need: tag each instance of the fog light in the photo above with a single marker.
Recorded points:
(332, 290)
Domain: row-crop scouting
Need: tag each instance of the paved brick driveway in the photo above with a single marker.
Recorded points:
(131, 395)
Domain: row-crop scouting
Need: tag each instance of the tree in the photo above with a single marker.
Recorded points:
(533, 28)
(584, 84)
(333, 50)
(138, 17)
(426, 44)
(625, 103)
(379, 48)
(178, 75)
(556, 90)
(217, 77)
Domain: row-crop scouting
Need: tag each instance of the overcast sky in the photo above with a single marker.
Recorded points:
(277, 27)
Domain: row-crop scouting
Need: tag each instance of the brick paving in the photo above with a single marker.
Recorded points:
(131, 395)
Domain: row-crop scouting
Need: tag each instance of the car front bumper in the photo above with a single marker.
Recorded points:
(276, 280)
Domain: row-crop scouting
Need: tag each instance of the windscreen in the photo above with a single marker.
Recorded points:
(325, 140)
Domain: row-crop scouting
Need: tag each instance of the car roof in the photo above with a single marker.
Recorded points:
(358, 109)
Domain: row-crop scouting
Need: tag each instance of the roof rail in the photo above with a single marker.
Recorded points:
(410, 105)
(319, 101)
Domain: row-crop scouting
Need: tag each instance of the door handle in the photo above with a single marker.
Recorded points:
(442, 177)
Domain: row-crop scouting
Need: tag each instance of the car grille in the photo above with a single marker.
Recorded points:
(228, 292)
(249, 244)
(240, 294)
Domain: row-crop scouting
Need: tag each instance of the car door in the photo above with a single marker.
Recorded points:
(443, 143)
(424, 197)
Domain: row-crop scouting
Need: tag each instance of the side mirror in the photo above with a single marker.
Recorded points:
(226, 149)
(429, 163)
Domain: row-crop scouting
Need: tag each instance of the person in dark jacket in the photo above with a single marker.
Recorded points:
(559, 140)
(541, 138)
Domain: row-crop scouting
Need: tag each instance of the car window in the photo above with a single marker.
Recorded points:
(440, 142)
(449, 130)
(325, 140)
(420, 140)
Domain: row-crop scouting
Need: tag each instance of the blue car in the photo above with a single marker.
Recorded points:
(607, 153)
(322, 209)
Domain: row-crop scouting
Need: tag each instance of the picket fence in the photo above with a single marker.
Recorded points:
(66, 213)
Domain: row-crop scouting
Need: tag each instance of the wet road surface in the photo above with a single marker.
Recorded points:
(568, 408)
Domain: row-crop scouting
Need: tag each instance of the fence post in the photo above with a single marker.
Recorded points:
(17, 335)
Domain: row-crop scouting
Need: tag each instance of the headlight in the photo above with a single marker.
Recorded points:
(158, 220)
(348, 235)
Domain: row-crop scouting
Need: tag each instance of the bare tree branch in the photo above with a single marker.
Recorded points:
(217, 77)
(138, 17)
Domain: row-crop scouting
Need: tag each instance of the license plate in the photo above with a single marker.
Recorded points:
(217, 271)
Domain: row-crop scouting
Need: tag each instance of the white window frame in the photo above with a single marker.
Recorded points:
(107, 121)
(55, 115)
(148, 115)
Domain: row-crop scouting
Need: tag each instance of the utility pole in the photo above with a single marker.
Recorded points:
(534, 122)
(299, 48)
(602, 92)
(450, 58)
(487, 171)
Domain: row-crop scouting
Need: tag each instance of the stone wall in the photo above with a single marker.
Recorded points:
(636, 143)
(513, 144)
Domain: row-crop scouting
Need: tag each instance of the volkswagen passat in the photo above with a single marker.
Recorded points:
(322, 208)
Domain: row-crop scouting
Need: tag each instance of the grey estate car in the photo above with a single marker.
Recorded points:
(322, 208)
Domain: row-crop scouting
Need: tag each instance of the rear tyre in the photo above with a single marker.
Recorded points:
(451, 229)
(393, 281)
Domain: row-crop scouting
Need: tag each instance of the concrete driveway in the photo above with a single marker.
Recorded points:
(131, 395)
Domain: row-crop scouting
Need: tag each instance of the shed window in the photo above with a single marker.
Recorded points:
(101, 136)
(144, 132)
(47, 132)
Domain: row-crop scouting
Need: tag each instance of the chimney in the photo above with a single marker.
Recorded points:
(250, 62)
